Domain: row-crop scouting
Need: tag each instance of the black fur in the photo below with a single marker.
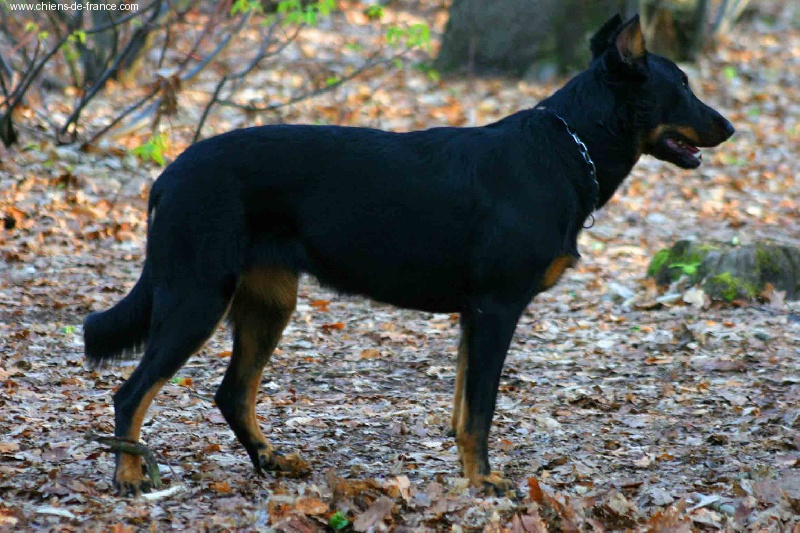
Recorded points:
(465, 220)
(121, 331)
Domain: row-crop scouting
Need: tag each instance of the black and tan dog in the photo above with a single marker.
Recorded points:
(469, 220)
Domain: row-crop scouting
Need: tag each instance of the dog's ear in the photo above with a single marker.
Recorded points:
(602, 39)
(628, 53)
(630, 41)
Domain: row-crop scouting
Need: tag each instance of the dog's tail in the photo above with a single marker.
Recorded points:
(121, 331)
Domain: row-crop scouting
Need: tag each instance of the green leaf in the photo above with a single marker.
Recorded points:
(31, 27)
(690, 269)
(246, 6)
(374, 12)
(338, 521)
(427, 68)
(78, 36)
(326, 7)
(310, 16)
(419, 35)
(394, 34)
(153, 149)
(69, 330)
(416, 35)
(729, 71)
(333, 80)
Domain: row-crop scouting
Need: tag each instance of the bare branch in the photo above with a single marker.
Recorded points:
(206, 111)
(88, 95)
(219, 48)
(371, 63)
(130, 109)
(120, 21)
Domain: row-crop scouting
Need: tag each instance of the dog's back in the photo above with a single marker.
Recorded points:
(387, 215)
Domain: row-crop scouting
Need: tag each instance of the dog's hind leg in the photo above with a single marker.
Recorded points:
(261, 308)
(488, 326)
(461, 371)
(184, 317)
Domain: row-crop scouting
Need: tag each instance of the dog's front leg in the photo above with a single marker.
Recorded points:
(487, 329)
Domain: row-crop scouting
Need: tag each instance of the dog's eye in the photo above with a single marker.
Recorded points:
(685, 80)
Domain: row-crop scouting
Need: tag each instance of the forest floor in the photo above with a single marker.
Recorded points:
(621, 408)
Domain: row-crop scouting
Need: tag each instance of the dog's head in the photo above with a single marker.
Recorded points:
(671, 122)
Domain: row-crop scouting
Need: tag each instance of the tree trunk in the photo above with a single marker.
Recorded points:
(512, 36)
(509, 36)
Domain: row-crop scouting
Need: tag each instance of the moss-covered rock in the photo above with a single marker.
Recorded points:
(729, 272)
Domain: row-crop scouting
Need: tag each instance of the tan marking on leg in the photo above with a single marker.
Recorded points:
(556, 268)
(265, 294)
(467, 451)
(493, 483)
(129, 474)
(274, 286)
(461, 374)
(277, 289)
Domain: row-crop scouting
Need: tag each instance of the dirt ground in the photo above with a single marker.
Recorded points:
(622, 406)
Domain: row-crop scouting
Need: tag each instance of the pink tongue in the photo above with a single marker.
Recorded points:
(692, 149)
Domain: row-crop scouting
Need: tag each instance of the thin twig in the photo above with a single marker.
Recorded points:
(120, 445)
(100, 83)
(313, 94)
(260, 55)
(133, 107)
(219, 48)
(196, 46)
(214, 96)
(123, 20)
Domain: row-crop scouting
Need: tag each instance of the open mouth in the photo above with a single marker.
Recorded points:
(676, 149)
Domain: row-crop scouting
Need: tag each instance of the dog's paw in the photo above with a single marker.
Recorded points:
(496, 485)
(288, 465)
(132, 486)
(129, 477)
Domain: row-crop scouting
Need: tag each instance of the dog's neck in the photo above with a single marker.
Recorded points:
(613, 143)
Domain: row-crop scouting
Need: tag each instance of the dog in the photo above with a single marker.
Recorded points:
(475, 221)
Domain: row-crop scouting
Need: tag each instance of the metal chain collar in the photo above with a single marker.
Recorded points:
(586, 157)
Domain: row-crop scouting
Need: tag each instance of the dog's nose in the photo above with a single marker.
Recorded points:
(726, 128)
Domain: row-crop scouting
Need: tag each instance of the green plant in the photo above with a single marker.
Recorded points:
(295, 13)
(416, 35)
(374, 12)
(688, 268)
(658, 261)
(246, 6)
(153, 149)
(338, 521)
(729, 287)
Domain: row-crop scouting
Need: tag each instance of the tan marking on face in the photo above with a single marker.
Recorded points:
(652, 137)
(686, 131)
